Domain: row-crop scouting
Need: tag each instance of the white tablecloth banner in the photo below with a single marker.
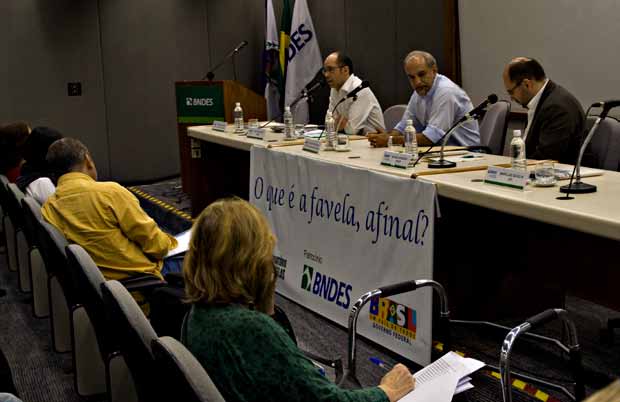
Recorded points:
(343, 231)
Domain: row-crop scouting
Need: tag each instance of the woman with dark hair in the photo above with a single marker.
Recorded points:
(12, 139)
(230, 281)
(37, 179)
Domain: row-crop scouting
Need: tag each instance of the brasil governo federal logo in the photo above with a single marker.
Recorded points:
(306, 278)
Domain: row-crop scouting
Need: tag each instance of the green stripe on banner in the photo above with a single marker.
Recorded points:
(198, 119)
(503, 184)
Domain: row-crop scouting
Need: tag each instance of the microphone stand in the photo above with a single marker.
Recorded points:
(211, 74)
(442, 163)
(305, 94)
(579, 187)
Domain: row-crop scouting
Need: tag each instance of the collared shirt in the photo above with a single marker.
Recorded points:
(434, 113)
(531, 108)
(41, 189)
(364, 115)
(108, 222)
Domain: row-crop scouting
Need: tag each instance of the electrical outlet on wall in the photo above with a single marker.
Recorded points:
(74, 89)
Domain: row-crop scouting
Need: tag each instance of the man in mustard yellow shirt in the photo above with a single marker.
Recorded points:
(103, 217)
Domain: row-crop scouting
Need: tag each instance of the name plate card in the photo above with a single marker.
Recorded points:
(397, 159)
(312, 145)
(219, 126)
(506, 177)
(258, 133)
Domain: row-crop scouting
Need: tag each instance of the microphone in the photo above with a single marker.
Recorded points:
(474, 114)
(477, 111)
(211, 74)
(240, 46)
(579, 187)
(353, 94)
(317, 82)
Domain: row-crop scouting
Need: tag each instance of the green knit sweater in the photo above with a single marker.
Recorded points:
(250, 357)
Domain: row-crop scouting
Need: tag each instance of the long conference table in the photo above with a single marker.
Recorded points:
(500, 252)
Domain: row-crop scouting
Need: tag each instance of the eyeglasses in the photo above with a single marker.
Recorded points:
(330, 69)
(512, 90)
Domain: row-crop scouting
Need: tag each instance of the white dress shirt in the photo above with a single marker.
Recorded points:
(531, 108)
(364, 115)
(40, 189)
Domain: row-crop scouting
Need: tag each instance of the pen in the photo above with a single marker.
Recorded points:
(380, 363)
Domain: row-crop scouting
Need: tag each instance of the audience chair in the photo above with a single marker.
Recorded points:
(38, 273)
(8, 225)
(134, 335)
(53, 244)
(393, 115)
(107, 362)
(3, 183)
(605, 144)
(182, 376)
(493, 127)
(22, 244)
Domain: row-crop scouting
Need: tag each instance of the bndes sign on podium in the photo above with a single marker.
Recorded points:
(344, 231)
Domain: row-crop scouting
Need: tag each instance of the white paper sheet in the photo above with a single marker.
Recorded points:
(183, 240)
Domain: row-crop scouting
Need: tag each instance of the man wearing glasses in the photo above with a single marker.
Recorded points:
(555, 118)
(358, 115)
(436, 104)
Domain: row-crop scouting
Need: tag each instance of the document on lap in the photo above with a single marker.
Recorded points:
(183, 243)
(441, 380)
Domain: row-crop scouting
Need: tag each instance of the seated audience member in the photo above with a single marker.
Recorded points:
(230, 281)
(36, 178)
(12, 139)
(359, 116)
(555, 118)
(103, 217)
(436, 104)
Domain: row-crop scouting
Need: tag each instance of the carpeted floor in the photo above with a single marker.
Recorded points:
(41, 375)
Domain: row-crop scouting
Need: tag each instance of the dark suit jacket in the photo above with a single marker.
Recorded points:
(557, 128)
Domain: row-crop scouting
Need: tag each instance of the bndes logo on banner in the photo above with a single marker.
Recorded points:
(393, 319)
(199, 101)
(326, 287)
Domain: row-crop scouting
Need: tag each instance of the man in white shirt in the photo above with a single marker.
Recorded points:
(356, 115)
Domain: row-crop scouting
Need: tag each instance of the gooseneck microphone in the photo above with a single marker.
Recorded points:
(211, 74)
(353, 94)
(579, 187)
(474, 114)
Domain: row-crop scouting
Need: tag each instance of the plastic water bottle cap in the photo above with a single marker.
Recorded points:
(516, 133)
(328, 114)
(287, 108)
(237, 104)
(409, 122)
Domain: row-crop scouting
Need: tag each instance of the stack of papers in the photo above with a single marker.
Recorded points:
(441, 380)
(183, 240)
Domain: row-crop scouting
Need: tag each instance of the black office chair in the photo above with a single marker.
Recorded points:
(134, 335)
(185, 378)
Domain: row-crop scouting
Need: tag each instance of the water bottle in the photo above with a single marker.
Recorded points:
(411, 141)
(289, 125)
(238, 114)
(517, 151)
(330, 131)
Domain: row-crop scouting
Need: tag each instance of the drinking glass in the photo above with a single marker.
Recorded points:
(545, 174)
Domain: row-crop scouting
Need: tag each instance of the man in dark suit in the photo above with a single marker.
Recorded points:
(555, 118)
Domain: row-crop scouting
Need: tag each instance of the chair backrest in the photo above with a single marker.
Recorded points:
(4, 183)
(52, 246)
(186, 379)
(605, 144)
(87, 280)
(14, 205)
(134, 335)
(393, 115)
(32, 215)
(493, 127)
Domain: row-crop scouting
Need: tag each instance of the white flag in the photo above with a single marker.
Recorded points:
(272, 48)
(304, 59)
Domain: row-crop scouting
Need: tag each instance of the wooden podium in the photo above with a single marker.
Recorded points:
(202, 102)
